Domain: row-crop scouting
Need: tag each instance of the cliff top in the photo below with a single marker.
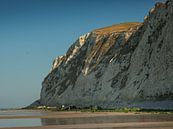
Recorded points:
(117, 28)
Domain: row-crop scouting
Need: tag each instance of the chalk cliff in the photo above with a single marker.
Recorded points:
(128, 64)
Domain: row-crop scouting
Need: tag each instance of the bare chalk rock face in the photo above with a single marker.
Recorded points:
(124, 65)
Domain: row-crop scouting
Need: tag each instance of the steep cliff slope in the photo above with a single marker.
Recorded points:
(129, 64)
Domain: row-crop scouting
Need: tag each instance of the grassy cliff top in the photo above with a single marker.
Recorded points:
(117, 28)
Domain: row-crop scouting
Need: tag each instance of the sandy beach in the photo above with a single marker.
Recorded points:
(88, 120)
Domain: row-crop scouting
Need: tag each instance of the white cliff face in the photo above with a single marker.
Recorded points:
(57, 62)
(77, 46)
(122, 65)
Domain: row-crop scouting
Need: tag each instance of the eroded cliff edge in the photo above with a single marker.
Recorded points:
(129, 64)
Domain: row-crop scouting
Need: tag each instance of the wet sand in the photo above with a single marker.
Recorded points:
(134, 125)
(89, 120)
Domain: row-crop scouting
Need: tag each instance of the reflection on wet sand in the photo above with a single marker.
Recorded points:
(107, 119)
(79, 120)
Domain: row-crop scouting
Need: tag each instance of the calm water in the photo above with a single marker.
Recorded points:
(21, 113)
(20, 122)
(75, 120)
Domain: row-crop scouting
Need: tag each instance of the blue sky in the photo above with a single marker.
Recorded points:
(34, 32)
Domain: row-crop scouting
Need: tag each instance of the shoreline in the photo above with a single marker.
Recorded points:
(67, 114)
(61, 112)
(75, 114)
